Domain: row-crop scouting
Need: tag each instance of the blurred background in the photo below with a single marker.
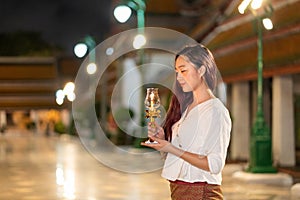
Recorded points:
(260, 67)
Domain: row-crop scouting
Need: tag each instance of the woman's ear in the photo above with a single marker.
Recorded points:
(202, 70)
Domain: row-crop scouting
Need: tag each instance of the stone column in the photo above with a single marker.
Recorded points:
(240, 106)
(132, 98)
(283, 137)
(3, 121)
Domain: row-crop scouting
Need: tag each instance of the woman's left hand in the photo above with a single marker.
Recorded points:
(159, 144)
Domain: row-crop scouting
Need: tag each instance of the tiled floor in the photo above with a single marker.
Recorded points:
(37, 167)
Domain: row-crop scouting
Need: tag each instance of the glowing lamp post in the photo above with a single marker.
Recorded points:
(123, 12)
(67, 91)
(261, 145)
(82, 48)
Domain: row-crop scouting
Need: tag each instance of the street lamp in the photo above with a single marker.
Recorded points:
(67, 91)
(82, 48)
(123, 12)
(261, 145)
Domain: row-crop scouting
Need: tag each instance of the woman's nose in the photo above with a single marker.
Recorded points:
(179, 76)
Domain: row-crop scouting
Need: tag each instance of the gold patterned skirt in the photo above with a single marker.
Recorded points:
(195, 191)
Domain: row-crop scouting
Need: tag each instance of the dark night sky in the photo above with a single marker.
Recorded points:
(61, 22)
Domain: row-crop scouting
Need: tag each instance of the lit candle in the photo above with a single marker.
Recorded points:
(151, 100)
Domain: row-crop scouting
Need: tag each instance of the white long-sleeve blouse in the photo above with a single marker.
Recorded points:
(205, 130)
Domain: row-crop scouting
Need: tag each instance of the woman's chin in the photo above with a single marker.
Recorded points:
(186, 89)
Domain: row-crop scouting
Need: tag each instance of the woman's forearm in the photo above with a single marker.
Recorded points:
(192, 158)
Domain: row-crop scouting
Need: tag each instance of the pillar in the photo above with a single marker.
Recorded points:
(283, 121)
(3, 121)
(241, 121)
(131, 95)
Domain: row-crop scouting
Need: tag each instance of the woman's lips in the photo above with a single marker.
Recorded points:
(181, 84)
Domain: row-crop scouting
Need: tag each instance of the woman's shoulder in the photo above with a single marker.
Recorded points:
(214, 106)
(212, 103)
(219, 104)
(220, 111)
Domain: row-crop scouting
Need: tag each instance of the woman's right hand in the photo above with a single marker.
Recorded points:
(154, 130)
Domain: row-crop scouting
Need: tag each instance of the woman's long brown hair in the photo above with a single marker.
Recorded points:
(198, 55)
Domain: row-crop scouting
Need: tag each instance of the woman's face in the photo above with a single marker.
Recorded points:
(188, 76)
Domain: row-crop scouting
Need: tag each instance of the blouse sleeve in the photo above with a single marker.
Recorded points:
(217, 141)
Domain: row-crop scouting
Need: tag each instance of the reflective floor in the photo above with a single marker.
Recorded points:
(49, 168)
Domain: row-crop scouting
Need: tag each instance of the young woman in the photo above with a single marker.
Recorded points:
(196, 132)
